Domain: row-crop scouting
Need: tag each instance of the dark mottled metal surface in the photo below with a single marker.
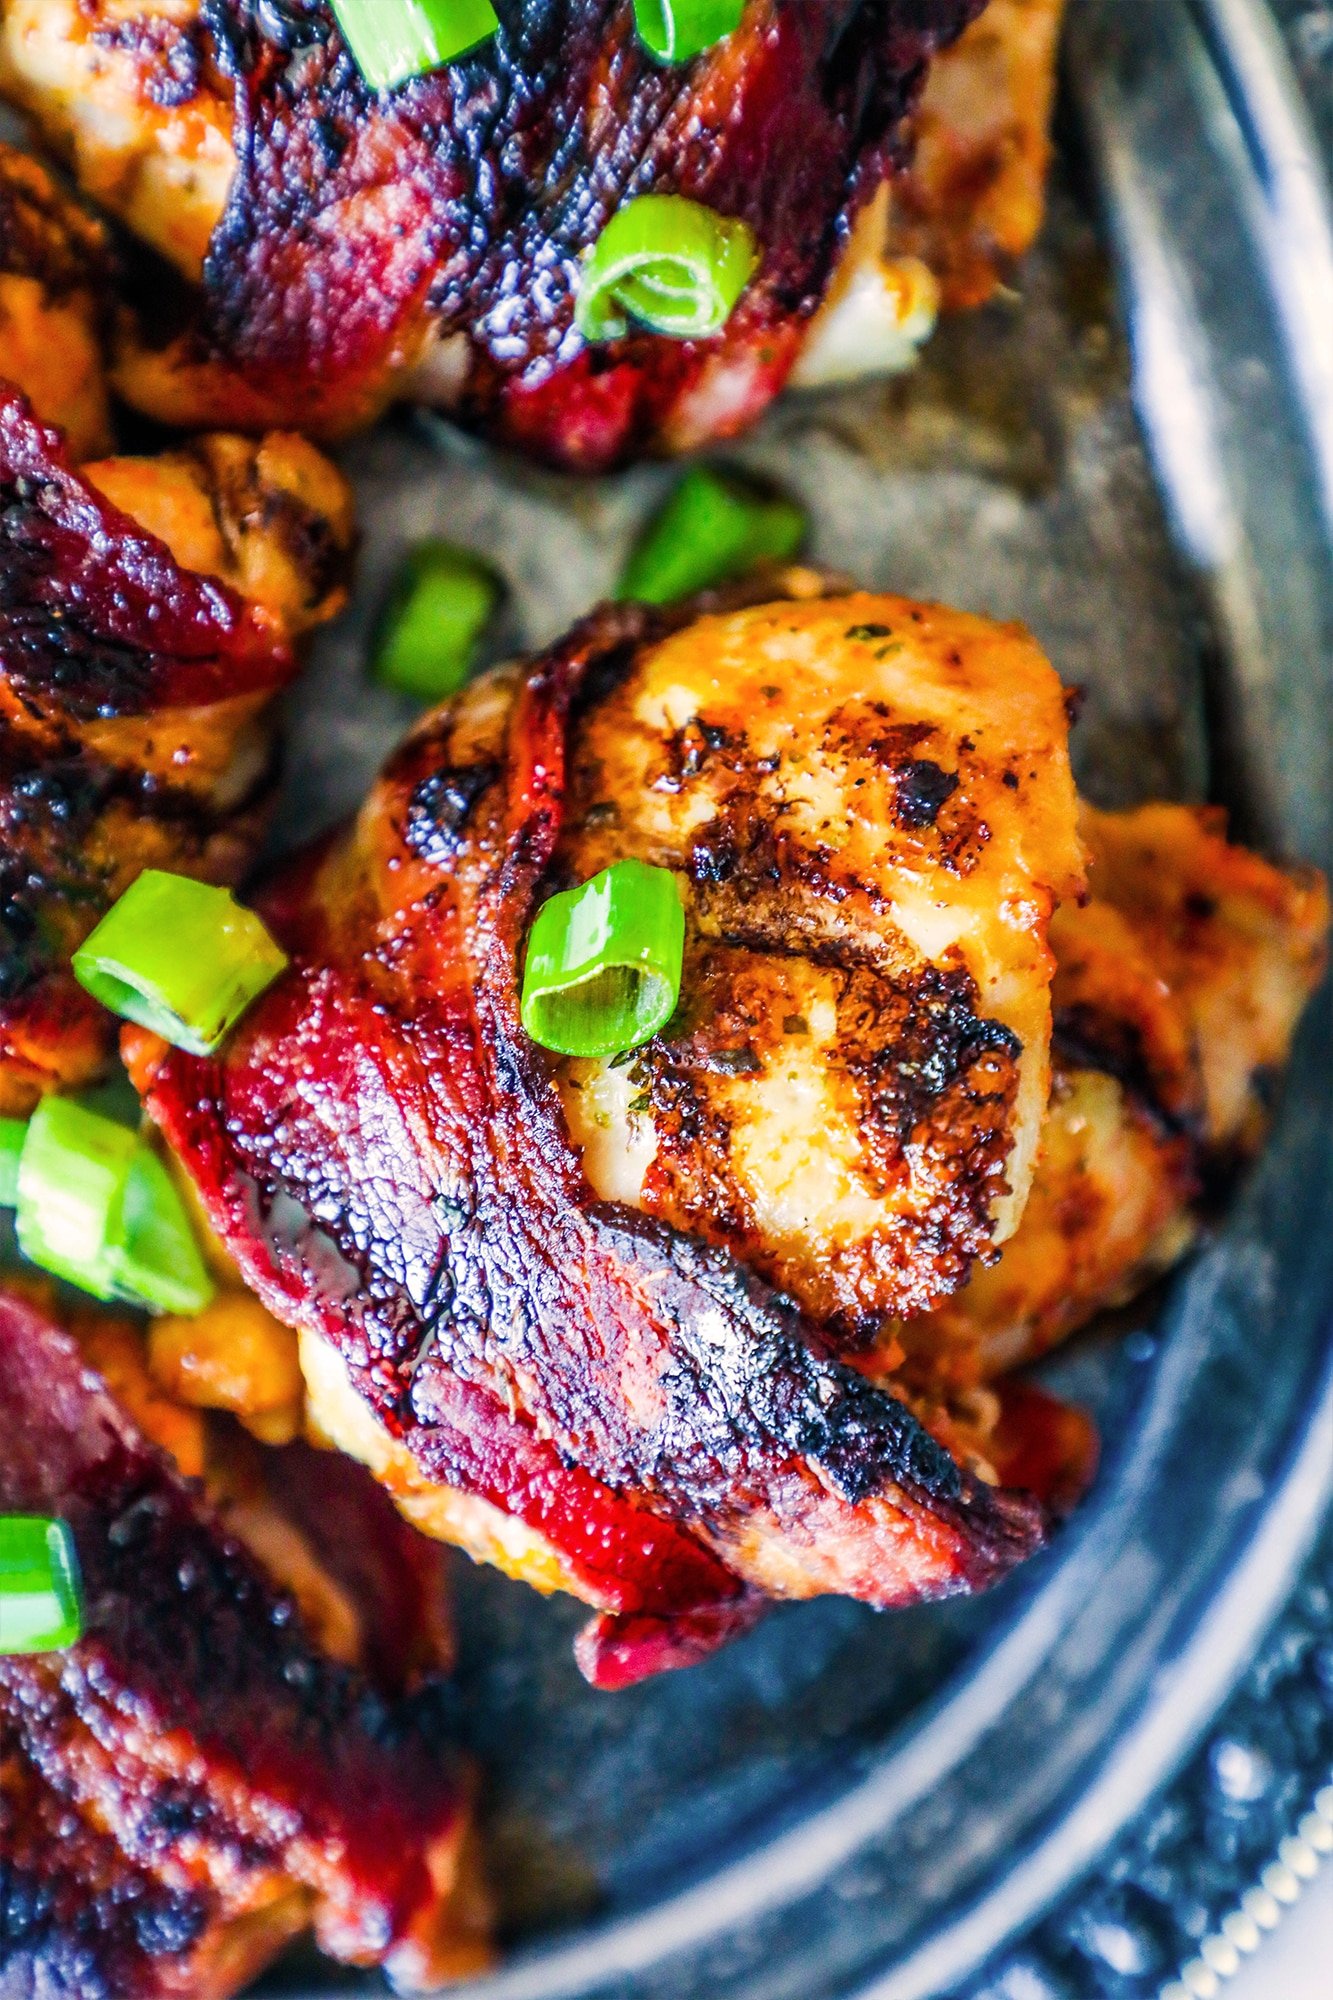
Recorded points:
(1208, 1847)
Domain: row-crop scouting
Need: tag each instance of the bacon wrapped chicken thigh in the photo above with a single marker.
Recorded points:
(708, 1322)
(345, 247)
(208, 1771)
(614, 1380)
(149, 610)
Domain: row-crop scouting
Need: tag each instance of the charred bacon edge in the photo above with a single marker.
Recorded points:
(770, 1399)
(97, 618)
(185, 1632)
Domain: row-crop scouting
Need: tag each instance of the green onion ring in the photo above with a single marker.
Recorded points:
(41, 1601)
(71, 1185)
(393, 41)
(675, 30)
(438, 608)
(713, 526)
(604, 962)
(96, 1206)
(179, 957)
(669, 264)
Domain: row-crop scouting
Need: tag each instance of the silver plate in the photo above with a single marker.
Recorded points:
(848, 1804)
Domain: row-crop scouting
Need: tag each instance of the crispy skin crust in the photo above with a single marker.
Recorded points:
(1178, 988)
(222, 1783)
(132, 695)
(363, 231)
(385, 1153)
(55, 279)
(871, 804)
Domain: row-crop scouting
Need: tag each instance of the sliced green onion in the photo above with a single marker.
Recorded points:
(41, 1609)
(180, 957)
(437, 610)
(395, 40)
(13, 1132)
(668, 263)
(96, 1206)
(71, 1187)
(604, 962)
(152, 1253)
(675, 30)
(713, 526)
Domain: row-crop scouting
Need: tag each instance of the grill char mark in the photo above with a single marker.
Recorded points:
(925, 1072)
(384, 1151)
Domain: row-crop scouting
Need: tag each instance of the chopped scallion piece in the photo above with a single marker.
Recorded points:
(668, 263)
(96, 1206)
(41, 1608)
(395, 40)
(713, 526)
(152, 1253)
(71, 1185)
(179, 957)
(13, 1132)
(604, 962)
(675, 30)
(437, 611)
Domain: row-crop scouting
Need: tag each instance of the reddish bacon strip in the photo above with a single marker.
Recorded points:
(132, 697)
(219, 1784)
(384, 1153)
(97, 618)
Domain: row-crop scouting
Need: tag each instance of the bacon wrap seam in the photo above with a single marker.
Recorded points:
(383, 1150)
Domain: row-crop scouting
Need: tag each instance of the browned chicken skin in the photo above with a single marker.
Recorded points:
(54, 303)
(1178, 987)
(871, 802)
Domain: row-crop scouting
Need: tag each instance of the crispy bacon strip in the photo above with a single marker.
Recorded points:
(97, 618)
(132, 695)
(427, 241)
(218, 1784)
(384, 1153)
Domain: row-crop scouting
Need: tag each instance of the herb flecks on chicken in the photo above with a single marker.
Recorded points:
(393, 1163)
(148, 614)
